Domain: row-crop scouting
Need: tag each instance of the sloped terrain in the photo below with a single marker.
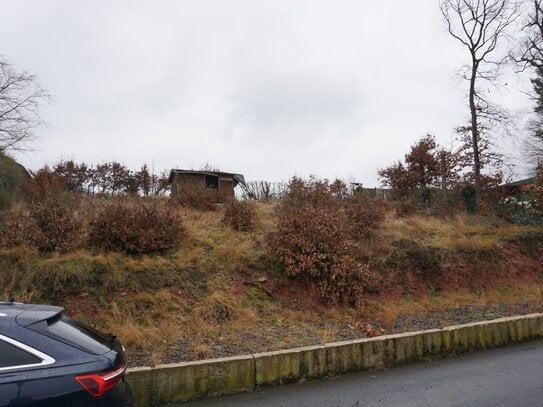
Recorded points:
(222, 292)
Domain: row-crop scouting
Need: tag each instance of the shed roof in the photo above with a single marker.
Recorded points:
(237, 178)
(520, 183)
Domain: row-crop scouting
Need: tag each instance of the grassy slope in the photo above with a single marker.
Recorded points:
(205, 299)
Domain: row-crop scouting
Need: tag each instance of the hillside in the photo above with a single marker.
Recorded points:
(12, 176)
(221, 292)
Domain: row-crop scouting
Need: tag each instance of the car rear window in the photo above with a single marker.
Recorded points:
(75, 333)
(12, 356)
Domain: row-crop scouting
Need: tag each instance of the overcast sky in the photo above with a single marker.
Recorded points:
(265, 88)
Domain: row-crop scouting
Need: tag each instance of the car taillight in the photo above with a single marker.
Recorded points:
(98, 384)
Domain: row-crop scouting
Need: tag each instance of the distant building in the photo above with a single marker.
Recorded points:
(222, 184)
(380, 193)
(516, 188)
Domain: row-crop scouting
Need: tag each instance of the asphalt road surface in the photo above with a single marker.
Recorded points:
(510, 376)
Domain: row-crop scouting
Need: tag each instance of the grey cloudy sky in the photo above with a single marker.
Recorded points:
(266, 88)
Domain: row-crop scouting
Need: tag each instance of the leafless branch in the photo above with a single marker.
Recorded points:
(480, 26)
(21, 98)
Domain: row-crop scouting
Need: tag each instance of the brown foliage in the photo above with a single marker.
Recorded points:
(194, 197)
(363, 213)
(239, 216)
(421, 170)
(45, 184)
(55, 224)
(135, 226)
(314, 239)
(431, 176)
(48, 219)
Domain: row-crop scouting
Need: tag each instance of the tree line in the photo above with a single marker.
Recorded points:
(489, 31)
(485, 29)
(107, 178)
(495, 34)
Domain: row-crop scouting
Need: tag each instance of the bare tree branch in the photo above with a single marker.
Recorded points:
(21, 98)
(530, 50)
(480, 25)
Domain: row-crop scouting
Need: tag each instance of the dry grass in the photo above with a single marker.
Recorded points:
(145, 321)
(255, 322)
(387, 312)
(212, 247)
(196, 294)
(457, 233)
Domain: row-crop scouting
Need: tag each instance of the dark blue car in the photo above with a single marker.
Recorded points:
(48, 359)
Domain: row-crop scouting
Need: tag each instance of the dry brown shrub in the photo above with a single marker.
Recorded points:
(15, 226)
(48, 218)
(53, 224)
(195, 197)
(240, 216)
(314, 240)
(135, 226)
(364, 213)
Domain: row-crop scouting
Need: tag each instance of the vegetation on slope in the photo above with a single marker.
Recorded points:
(179, 281)
(221, 291)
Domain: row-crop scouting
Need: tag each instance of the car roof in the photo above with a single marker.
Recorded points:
(26, 314)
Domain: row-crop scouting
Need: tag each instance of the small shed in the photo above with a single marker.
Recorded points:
(516, 188)
(221, 183)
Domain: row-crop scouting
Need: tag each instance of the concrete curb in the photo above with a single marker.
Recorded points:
(175, 382)
(190, 380)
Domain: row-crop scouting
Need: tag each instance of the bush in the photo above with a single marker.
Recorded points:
(240, 216)
(48, 218)
(53, 224)
(194, 197)
(314, 239)
(48, 226)
(364, 213)
(135, 226)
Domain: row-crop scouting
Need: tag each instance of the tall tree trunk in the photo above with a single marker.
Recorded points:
(444, 172)
(474, 124)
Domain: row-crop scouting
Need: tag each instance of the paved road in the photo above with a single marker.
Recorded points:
(511, 376)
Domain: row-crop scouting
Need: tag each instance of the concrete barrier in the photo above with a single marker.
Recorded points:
(176, 382)
(186, 381)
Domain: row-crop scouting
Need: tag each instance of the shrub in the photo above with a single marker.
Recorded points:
(48, 218)
(194, 197)
(53, 224)
(314, 240)
(240, 216)
(135, 226)
(363, 213)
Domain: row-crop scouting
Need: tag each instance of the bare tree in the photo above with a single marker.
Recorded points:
(533, 143)
(531, 47)
(530, 55)
(480, 25)
(263, 190)
(21, 97)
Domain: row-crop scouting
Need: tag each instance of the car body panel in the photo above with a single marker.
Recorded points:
(52, 381)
